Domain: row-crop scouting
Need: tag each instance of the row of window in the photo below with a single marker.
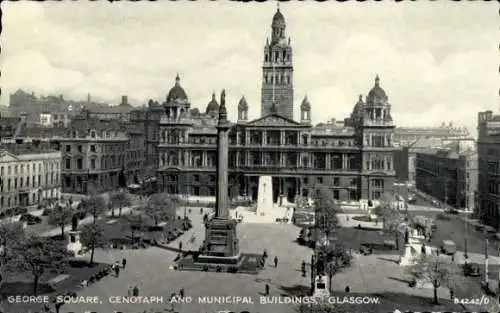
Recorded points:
(25, 182)
(108, 162)
(25, 168)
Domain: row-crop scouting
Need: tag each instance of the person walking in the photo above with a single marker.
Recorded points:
(181, 293)
(135, 291)
(124, 262)
(303, 268)
(117, 271)
(267, 290)
(276, 261)
(180, 245)
(452, 293)
(129, 291)
(264, 254)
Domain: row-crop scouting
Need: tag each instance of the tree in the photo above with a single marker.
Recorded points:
(11, 235)
(435, 270)
(391, 218)
(160, 207)
(95, 206)
(326, 210)
(331, 259)
(135, 223)
(60, 216)
(119, 199)
(39, 256)
(92, 237)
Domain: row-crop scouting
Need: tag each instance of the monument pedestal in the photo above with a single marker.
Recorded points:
(321, 284)
(74, 245)
(221, 243)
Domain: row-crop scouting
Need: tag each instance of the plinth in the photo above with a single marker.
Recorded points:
(221, 242)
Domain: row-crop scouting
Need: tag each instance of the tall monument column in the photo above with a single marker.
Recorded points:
(221, 244)
(223, 127)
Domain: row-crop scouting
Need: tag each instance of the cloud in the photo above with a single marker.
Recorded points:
(430, 65)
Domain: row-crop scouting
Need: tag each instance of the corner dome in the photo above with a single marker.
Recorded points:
(176, 92)
(212, 106)
(305, 104)
(242, 105)
(377, 93)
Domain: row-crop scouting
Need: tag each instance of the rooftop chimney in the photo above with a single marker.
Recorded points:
(124, 100)
(88, 97)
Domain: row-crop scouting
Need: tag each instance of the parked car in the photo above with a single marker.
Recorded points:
(366, 249)
(46, 212)
(19, 211)
(472, 269)
(448, 247)
(30, 219)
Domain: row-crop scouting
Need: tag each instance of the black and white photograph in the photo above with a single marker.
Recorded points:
(249, 157)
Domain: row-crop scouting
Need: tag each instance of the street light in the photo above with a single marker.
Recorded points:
(466, 256)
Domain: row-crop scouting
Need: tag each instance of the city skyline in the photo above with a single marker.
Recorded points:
(446, 72)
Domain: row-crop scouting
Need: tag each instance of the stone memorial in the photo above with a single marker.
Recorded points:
(221, 244)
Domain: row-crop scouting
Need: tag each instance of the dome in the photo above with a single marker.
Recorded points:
(278, 19)
(176, 92)
(305, 104)
(212, 106)
(360, 104)
(377, 92)
(243, 105)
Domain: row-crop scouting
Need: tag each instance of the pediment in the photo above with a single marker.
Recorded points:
(273, 120)
(6, 156)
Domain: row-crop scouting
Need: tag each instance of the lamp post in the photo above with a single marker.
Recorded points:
(466, 256)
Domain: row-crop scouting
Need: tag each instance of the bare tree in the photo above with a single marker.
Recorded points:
(119, 199)
(60, 216)
(160, 207)
(95, 206)
(136, 223)
(434, 269)
(38, 256)
(92, 237)
(391, 218)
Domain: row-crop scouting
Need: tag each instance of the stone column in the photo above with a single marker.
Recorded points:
(328, 161)
(282, 140)
(247, 137)
(264, 137)
(344, 161)
(247, 160)
(222, 199)
(204, 158)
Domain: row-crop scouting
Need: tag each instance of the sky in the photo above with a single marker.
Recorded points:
(437, 61)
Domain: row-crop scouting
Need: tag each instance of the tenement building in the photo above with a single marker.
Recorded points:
(95, 152)
(353, 161)
(448, 175)
(29, 173)
(488, 148)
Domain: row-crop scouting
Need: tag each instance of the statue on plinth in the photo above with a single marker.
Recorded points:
(74, 222)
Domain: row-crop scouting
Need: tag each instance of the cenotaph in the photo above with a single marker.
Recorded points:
(265, 195)
(221, 244)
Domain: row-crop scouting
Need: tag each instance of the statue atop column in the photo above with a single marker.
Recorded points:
(74, 222)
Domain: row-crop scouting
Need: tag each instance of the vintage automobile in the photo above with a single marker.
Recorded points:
(448, 247)
(472, 269)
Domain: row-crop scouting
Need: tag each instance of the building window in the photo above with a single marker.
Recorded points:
(22, 169)
(196, 177)
(27, 181)
(1, 171)
(92, 148)
(305, 180)
(336, 194)
(68, 148)
(319, 180)
(79, 163)
(80, 148)
(352, 195)
(196, 191)
(92, 163)
(211, 178)
(336, 181)
(8, 170)
(92, 134)
(68, 163)
(378, 183)
(15, 183)
(211, 191)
